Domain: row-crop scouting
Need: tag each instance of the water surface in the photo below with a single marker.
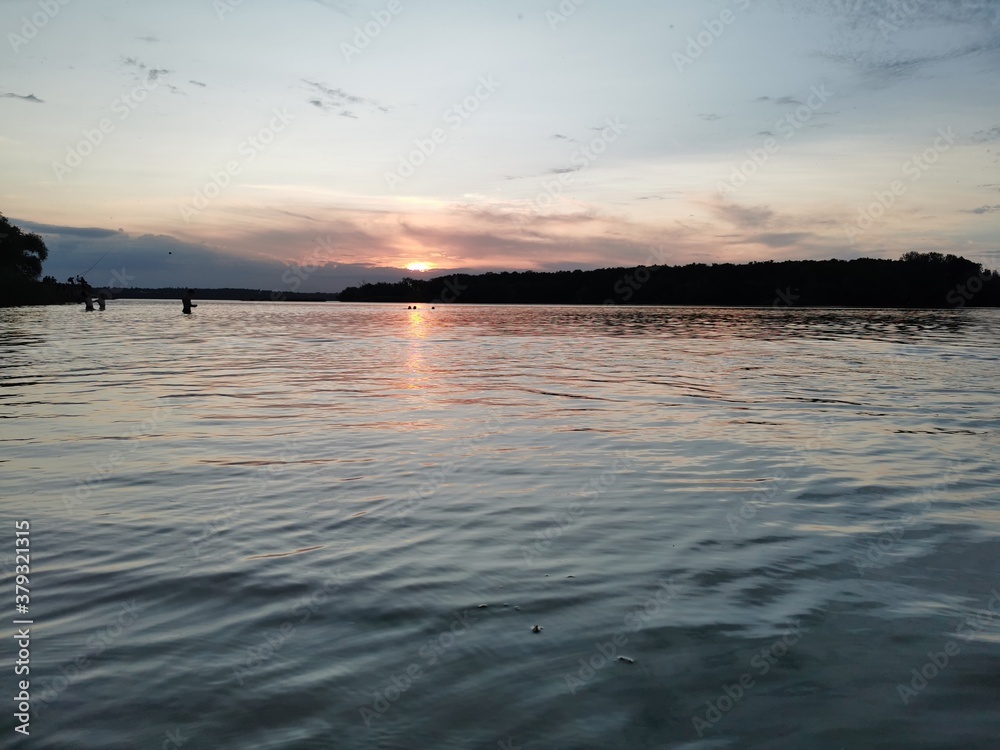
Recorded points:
(335, 526)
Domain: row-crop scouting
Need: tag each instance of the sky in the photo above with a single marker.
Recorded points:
(308, 145)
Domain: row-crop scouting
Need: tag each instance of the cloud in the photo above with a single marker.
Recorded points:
(337, 100)
(780, 239)
(23, 97)
(143, 71)
(710, 117)
(892, 67)
(745, 217)
(985, 136)
(158, 260)
(983, 210)
(55, 230)
(199, 83)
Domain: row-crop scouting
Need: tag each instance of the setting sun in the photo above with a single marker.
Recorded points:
(419, 266)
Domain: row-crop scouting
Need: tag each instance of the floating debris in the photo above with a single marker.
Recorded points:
(537, 628)
(626, 660)
(483, 606)
(517, 608)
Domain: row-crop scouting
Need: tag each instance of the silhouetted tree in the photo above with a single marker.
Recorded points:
(21, 254)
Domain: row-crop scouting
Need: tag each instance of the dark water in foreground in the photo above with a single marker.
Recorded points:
(274, 526)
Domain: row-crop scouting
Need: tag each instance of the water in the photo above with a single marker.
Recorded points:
(273, 526)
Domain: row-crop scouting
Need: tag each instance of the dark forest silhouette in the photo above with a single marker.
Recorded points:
(929, 280)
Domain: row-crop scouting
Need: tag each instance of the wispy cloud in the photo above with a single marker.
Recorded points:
(23, 97)
(983, 210)
(337, 100)
(745, 217)
(143, 71)
(894, 66)
(985, 136)
(780, 239)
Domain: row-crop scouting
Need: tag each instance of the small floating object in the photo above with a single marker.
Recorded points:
(626, 660)
(517, 608)
(537, 628)
(571, 576)
(483, 606)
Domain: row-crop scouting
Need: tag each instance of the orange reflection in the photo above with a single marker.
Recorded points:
(418, 325)
(416, 365)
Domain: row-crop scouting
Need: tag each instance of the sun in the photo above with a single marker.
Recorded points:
(419, 266)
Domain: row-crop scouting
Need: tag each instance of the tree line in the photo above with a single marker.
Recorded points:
(918, 280)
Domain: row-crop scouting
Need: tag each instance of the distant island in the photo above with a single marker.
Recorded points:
(917, 280)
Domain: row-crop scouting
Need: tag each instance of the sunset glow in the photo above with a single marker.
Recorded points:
(160, 140)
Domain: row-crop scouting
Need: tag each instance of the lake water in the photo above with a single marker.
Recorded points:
(335, 526)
